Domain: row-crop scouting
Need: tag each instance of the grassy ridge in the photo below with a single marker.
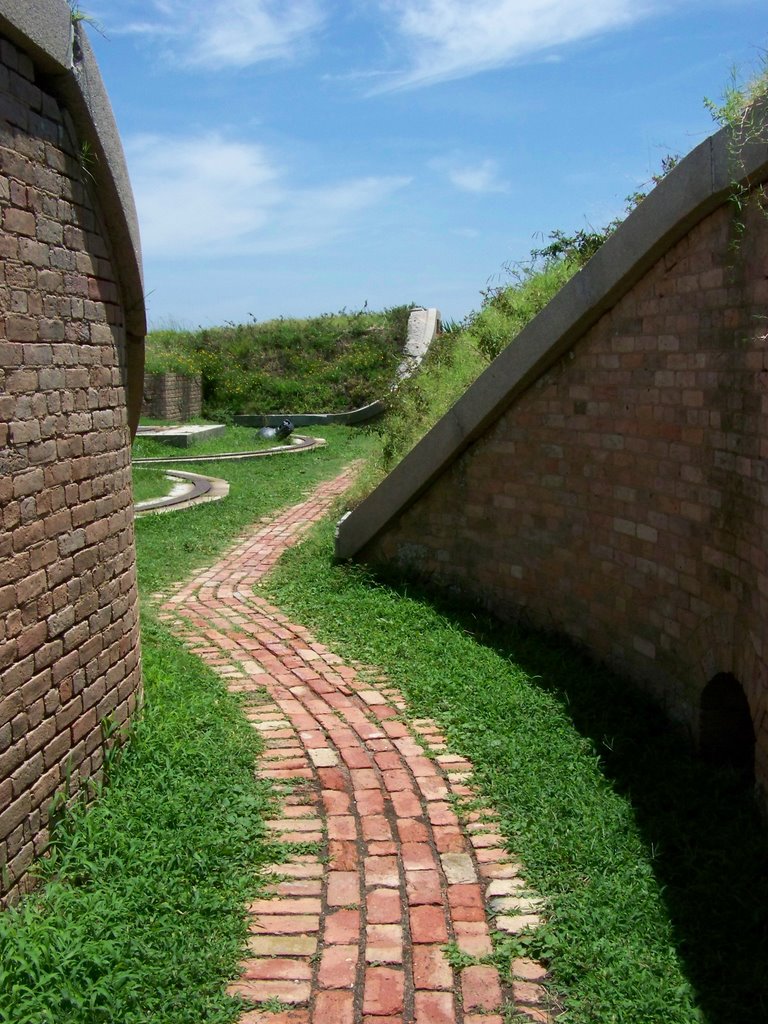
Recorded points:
(322, 364)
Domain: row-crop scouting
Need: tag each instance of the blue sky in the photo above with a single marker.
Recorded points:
(295, 157)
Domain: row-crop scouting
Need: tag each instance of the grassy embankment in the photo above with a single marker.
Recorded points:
(325, 364)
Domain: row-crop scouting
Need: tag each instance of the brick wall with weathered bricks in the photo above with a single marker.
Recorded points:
(172, 396)
(68, 618)
(623, 498)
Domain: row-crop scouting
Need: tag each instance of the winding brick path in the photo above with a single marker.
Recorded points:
(398, 863)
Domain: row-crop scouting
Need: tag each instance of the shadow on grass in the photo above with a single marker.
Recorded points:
(709, 844)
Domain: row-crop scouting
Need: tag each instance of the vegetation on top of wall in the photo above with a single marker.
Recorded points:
(743, 111)
(327, 363)
(462, 352)
(508, 307)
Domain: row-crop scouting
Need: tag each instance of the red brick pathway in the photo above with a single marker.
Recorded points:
(356, 930)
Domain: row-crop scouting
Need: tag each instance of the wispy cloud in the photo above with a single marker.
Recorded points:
(207, 197)
(221, 33)
(449, 39)
(478, 177)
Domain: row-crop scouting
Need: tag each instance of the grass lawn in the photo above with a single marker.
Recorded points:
(652, 866)
(140, 917)
(171, 546)
(150, 482)
(234, 439)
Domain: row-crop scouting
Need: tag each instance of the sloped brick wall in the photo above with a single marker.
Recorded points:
(172, 396)
(622, 498)
(69, 654)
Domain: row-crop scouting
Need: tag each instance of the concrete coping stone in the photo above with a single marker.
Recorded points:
(423, 327)
(696, 187)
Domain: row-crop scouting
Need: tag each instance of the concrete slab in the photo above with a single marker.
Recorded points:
(183, 436)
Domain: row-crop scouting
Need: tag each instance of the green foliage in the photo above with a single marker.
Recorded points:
(651, 865)
(450, 366)
(739, 106)
(139, 915)
(149, 482)
(508, 308)
(170, 546)
(323, 364)
(234, 439)
(742, 110)
(171, 351)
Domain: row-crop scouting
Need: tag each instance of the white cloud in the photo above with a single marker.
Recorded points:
(207, 197)
(450, 39)
(480, 178)
(221, 33)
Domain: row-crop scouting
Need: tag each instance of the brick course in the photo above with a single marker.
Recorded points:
(622, 499)
(69, 627)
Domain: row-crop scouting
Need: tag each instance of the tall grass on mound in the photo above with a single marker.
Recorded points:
(139, 919)
(328, 363)
(508, 308)
(448, 369)
(652, 866)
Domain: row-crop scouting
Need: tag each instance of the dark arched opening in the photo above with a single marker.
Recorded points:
(726, 735)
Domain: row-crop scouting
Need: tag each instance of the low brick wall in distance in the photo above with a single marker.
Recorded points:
(172, 396)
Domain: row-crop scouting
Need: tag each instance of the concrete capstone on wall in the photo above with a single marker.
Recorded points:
(71, 352)
(619, 494)
(172, 396)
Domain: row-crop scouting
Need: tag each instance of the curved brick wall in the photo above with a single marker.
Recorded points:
(621, 495)
(69, 653)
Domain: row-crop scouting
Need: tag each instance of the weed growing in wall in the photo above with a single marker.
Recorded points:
(743, 111)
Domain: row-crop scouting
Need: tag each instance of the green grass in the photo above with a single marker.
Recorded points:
(508, 308)
(171, 546)
(451, 365)
(234, 439)
(149, 482)
(141, 916)
(652, 866)
(322, 364)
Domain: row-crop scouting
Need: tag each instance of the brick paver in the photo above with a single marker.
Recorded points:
(359, 926)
